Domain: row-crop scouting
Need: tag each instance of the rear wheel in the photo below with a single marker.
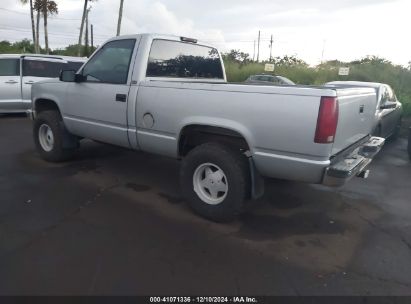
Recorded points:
(52, 140)
(215, 181)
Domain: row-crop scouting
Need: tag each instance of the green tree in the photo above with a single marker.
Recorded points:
(289, 61)
(237, 56)
(49, 8)
(38, 8)
(44, 8)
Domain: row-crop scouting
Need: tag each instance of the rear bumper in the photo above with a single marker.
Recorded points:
(353, 164)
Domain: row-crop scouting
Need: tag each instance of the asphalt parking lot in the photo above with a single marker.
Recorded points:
(112, 222)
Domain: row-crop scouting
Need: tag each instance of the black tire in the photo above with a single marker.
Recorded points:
(235, 167)
(64, 145)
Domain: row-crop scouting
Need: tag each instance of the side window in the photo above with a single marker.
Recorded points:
(390, 94)
(183, 60)
(41, 68)
(111, 63)
(9, 67)
(384, 95)
(73, 65)
(276, 80)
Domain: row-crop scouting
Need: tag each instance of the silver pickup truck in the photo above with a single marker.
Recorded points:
(20, 71)
(168, 95)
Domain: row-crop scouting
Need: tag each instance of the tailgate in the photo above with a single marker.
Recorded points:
(356, 116)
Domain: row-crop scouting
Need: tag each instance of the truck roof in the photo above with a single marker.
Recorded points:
(67, 58)
(163, 36)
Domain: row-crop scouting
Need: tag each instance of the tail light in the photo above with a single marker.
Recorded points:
(327, 121)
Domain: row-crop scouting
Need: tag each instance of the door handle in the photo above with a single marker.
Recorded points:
(11, 82)
(29, 82)
(362, 109)
(121, 97)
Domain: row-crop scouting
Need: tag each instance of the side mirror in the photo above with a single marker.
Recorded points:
(388, 105)
(71, 76)
(67, 76)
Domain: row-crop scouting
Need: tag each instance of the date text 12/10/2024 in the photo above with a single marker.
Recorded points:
(236, 299)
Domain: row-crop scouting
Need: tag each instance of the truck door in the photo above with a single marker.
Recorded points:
(96, 107)
(10, 85)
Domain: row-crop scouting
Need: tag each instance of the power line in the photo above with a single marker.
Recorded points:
(52, 18)
(56, 36)
(26, 30)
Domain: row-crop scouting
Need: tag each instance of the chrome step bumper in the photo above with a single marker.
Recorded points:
(353, 164)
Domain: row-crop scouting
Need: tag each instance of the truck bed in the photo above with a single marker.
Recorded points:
(283, 131)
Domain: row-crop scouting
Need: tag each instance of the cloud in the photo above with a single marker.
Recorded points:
(351, 28)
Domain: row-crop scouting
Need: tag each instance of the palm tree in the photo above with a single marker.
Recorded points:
(120, 16)
(38, 9)
(45, 8)
(38, 31)
(32, 18)
(83, 19)
(49, 8)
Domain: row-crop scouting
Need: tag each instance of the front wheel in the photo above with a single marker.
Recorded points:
(52, 141)
(215, 181)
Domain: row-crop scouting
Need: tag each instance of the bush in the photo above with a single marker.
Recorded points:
(372, 69)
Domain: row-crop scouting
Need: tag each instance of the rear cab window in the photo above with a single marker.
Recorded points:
(176, 59)
(9, 67)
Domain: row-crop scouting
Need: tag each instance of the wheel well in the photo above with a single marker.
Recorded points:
(41, 105)
(195, 135)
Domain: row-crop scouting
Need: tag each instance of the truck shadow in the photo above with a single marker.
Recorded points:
(13, 115)
(287, 208)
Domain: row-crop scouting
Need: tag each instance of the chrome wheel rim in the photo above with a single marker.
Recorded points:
(210, 183)
(46, 138)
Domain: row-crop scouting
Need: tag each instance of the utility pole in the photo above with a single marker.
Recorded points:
(120, 16)
(254, 52)
(258, 47)
(92, 37)
(271, 48)
(86, 50)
